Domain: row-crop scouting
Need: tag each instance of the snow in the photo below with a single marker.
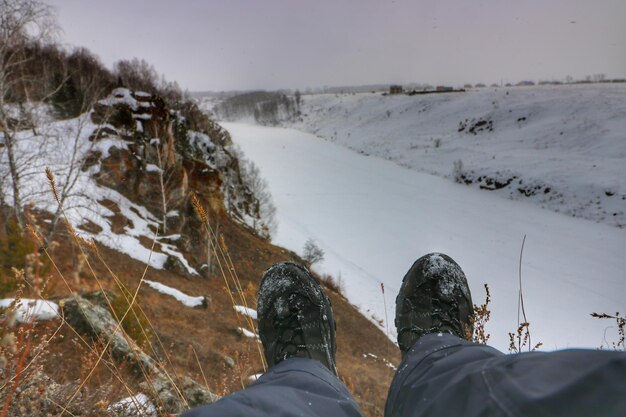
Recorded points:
(247, 333)
(28, 309)
(141, 225)
(188, 300)
(137, 405)
(562, 147)
(383, 360)
(175, 236)
(171, 250)
(142, 116)
(247, 311)
(54, 147)
(152, 168)
(120, 96)
(254, 378)
(373, 219)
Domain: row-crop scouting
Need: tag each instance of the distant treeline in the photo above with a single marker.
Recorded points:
(265, 107)
(71, 81)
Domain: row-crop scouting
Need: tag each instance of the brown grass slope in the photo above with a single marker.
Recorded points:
(200, 342)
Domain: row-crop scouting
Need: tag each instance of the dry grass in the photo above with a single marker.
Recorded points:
(331, 283)
(521, 339)
(479, 320)
(620, 322)
(75, 373)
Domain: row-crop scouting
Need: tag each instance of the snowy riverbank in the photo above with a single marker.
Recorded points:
(559, 147)
(373, 218)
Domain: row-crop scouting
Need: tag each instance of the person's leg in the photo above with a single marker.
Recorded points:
(445, 375)
(442, 374)
(297, 329)
(294, 387)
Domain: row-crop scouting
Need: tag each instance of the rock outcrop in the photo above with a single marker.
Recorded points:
(172, 394)
(167, 155)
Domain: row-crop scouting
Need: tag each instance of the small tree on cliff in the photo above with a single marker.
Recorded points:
(165, 172)
(264, 211)
(23, 23)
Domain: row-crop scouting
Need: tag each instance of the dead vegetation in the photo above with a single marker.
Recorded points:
(77, 372)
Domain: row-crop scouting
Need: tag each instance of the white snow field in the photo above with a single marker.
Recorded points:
(560, 147)
(374, 218)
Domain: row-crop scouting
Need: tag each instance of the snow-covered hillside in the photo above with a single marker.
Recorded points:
(373, 218)
(62, 147)
(560, 147)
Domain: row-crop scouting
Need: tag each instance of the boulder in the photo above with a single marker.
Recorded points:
(93, 320)
(173, 264)
(168, 395)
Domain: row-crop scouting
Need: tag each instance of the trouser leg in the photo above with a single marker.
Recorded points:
(448, 376)
(294, 387)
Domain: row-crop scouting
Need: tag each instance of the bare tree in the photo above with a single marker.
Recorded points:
(264, 210)
(22, 23)
(311, 253)
(137, 74)
(298, 100)
(165, 171)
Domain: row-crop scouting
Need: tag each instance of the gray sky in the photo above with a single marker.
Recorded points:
(244, 44)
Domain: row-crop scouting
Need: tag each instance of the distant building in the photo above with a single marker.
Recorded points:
(525, 83)
(395, 89)
(442, 88)
(480, 85)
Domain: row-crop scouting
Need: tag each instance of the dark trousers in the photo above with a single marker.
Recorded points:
(443, 375)
(294, 387)
(448, 376)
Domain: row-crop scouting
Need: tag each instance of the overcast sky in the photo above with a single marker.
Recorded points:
(270, 44)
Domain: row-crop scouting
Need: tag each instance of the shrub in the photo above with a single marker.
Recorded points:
(481, 317)
(16, 253)
(620, 321)
(458, 172)
(331, 283)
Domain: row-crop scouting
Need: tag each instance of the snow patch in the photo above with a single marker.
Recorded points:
(152, 168)
(137, 405)
(254, 378)
(29, 309)
(247, 311)
(171, 250)
(188, 300)
(120, 96)
(247, 333)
